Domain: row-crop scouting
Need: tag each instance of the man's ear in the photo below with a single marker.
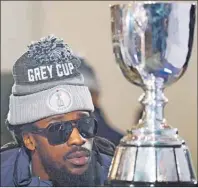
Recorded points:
(29, 141)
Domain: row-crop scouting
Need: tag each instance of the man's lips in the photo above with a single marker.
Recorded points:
(81, 161)
(77, 154)
(78, 158)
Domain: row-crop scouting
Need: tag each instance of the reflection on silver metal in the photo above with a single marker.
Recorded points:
(183, 171)
(151, 164)
(116, 161)
(166, 170)
(152, 43)
(127, 155)
(147, 39)
(145, 170)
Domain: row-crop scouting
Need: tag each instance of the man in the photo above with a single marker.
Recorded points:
(51, 118)
(104, 129)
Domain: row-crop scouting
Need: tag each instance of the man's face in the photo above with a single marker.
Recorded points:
(70, 159)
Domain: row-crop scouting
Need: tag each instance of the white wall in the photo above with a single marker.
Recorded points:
(85, 26)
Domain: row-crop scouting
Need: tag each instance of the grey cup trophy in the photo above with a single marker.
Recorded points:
(152, 43)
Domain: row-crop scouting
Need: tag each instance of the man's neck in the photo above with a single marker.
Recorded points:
(37, 168)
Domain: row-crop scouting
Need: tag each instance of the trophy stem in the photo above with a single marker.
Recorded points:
(152, 128)
(153, 101)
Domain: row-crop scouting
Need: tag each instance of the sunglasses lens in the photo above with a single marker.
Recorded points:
(58, 133)
(87, 127)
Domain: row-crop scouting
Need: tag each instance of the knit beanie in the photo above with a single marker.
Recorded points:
(47, 82)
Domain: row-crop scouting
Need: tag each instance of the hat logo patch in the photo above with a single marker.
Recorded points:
(59, 100)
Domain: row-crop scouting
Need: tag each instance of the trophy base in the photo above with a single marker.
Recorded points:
(117, 183)
(151, 165)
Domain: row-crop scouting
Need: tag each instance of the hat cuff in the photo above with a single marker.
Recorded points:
(57, 100)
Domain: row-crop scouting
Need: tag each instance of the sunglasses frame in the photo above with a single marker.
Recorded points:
(32, 128)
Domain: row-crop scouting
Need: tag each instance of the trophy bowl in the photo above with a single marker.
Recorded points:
(152, 44)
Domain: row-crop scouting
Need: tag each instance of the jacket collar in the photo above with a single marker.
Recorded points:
(22, 174)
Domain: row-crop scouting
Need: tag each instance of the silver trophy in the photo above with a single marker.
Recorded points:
(152, 43)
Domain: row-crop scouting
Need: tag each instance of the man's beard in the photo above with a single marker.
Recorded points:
(61, 177)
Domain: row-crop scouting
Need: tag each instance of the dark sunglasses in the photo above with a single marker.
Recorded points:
(59, 132)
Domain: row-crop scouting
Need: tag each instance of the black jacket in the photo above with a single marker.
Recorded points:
(15, 164)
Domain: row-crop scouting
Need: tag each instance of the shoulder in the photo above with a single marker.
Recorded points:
(106, 160)
(104, 146)
(106, 163)
(8, 158)
(105, 151)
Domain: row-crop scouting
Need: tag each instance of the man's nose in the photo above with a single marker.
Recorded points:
(75, 138)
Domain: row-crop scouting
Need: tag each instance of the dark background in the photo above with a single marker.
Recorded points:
(6, 87)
